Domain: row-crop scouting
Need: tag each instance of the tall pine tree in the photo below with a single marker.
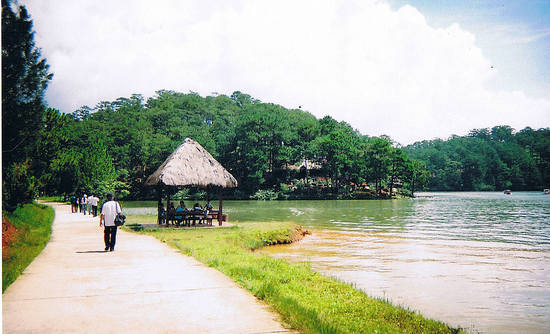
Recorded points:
(24, 80)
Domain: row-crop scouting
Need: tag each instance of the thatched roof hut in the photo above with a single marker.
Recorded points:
(191, 165)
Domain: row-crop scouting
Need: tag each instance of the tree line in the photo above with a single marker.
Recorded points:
(487, 159)
(269, 148)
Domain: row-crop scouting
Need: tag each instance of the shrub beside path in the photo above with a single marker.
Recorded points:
(144, 286)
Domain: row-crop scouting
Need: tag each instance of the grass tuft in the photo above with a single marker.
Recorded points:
(135, 227)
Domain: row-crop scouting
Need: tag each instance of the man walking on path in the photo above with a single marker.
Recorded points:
(93, 200)
(84, 203)
(73, 204)
(90, 204)
(108, 213)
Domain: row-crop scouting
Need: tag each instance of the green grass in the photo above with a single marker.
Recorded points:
(306, 300)
(139, 204)
(141, 219)
(34, 226)
(52, 198)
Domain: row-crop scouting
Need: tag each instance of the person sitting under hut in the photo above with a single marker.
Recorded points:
(208, 207)
(198, 213)
(180, 212)
(208, 212)
(197, 207)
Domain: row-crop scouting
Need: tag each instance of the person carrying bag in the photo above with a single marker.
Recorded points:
(110, 211)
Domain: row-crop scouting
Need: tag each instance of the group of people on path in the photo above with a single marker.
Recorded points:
(109, 211)
(171, 214)
(84, 204)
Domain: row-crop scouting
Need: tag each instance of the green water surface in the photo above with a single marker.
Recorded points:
(522, 218)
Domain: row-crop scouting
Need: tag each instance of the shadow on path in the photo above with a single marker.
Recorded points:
(92, 251)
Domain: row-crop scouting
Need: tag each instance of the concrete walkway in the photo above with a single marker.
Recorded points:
(144, 286)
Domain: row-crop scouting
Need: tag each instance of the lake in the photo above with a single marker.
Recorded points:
(480, 261)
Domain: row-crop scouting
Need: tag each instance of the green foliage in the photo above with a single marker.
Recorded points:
(181, 194)
(308, 301)
(24, 80)
(378, 161)
(274, 153)
(398, 167)
(259, 143)
(487, 159)
(198, 195)
(88, 169)
(18, 185)
(338, 148)
(416, 175)
(54, 199)
(265, 195)
(33, 223)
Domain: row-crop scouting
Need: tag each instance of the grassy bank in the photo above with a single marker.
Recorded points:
(52, 198)
(25, 232)
(305, 299)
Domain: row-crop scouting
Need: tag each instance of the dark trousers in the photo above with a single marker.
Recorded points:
(94, 210)
(110, 237)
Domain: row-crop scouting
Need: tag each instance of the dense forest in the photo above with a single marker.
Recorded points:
(274, 152)
(487, 159)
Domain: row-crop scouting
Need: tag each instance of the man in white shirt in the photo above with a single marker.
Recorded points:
(93, 201)
(109, 210)
(90, 202)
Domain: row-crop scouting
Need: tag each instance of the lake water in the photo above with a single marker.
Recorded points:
(480, 261)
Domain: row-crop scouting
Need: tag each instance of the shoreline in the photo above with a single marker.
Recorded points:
(307, 300)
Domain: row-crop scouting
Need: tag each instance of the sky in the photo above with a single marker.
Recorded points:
(409, 69)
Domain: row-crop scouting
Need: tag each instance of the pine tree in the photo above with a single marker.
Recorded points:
(24, 80)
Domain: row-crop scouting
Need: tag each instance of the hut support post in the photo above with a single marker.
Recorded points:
(168, 202)
(159, 194)
(220, 210)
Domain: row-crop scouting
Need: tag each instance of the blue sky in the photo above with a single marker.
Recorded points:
(514, 35)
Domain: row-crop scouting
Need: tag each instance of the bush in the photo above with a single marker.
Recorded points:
(18, 185)
(265, 195)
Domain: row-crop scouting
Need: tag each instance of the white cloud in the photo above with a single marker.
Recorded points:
(383, 71)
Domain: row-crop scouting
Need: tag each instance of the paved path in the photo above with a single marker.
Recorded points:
(144, 286)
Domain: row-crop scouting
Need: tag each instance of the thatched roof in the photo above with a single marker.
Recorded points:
(191, 165)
